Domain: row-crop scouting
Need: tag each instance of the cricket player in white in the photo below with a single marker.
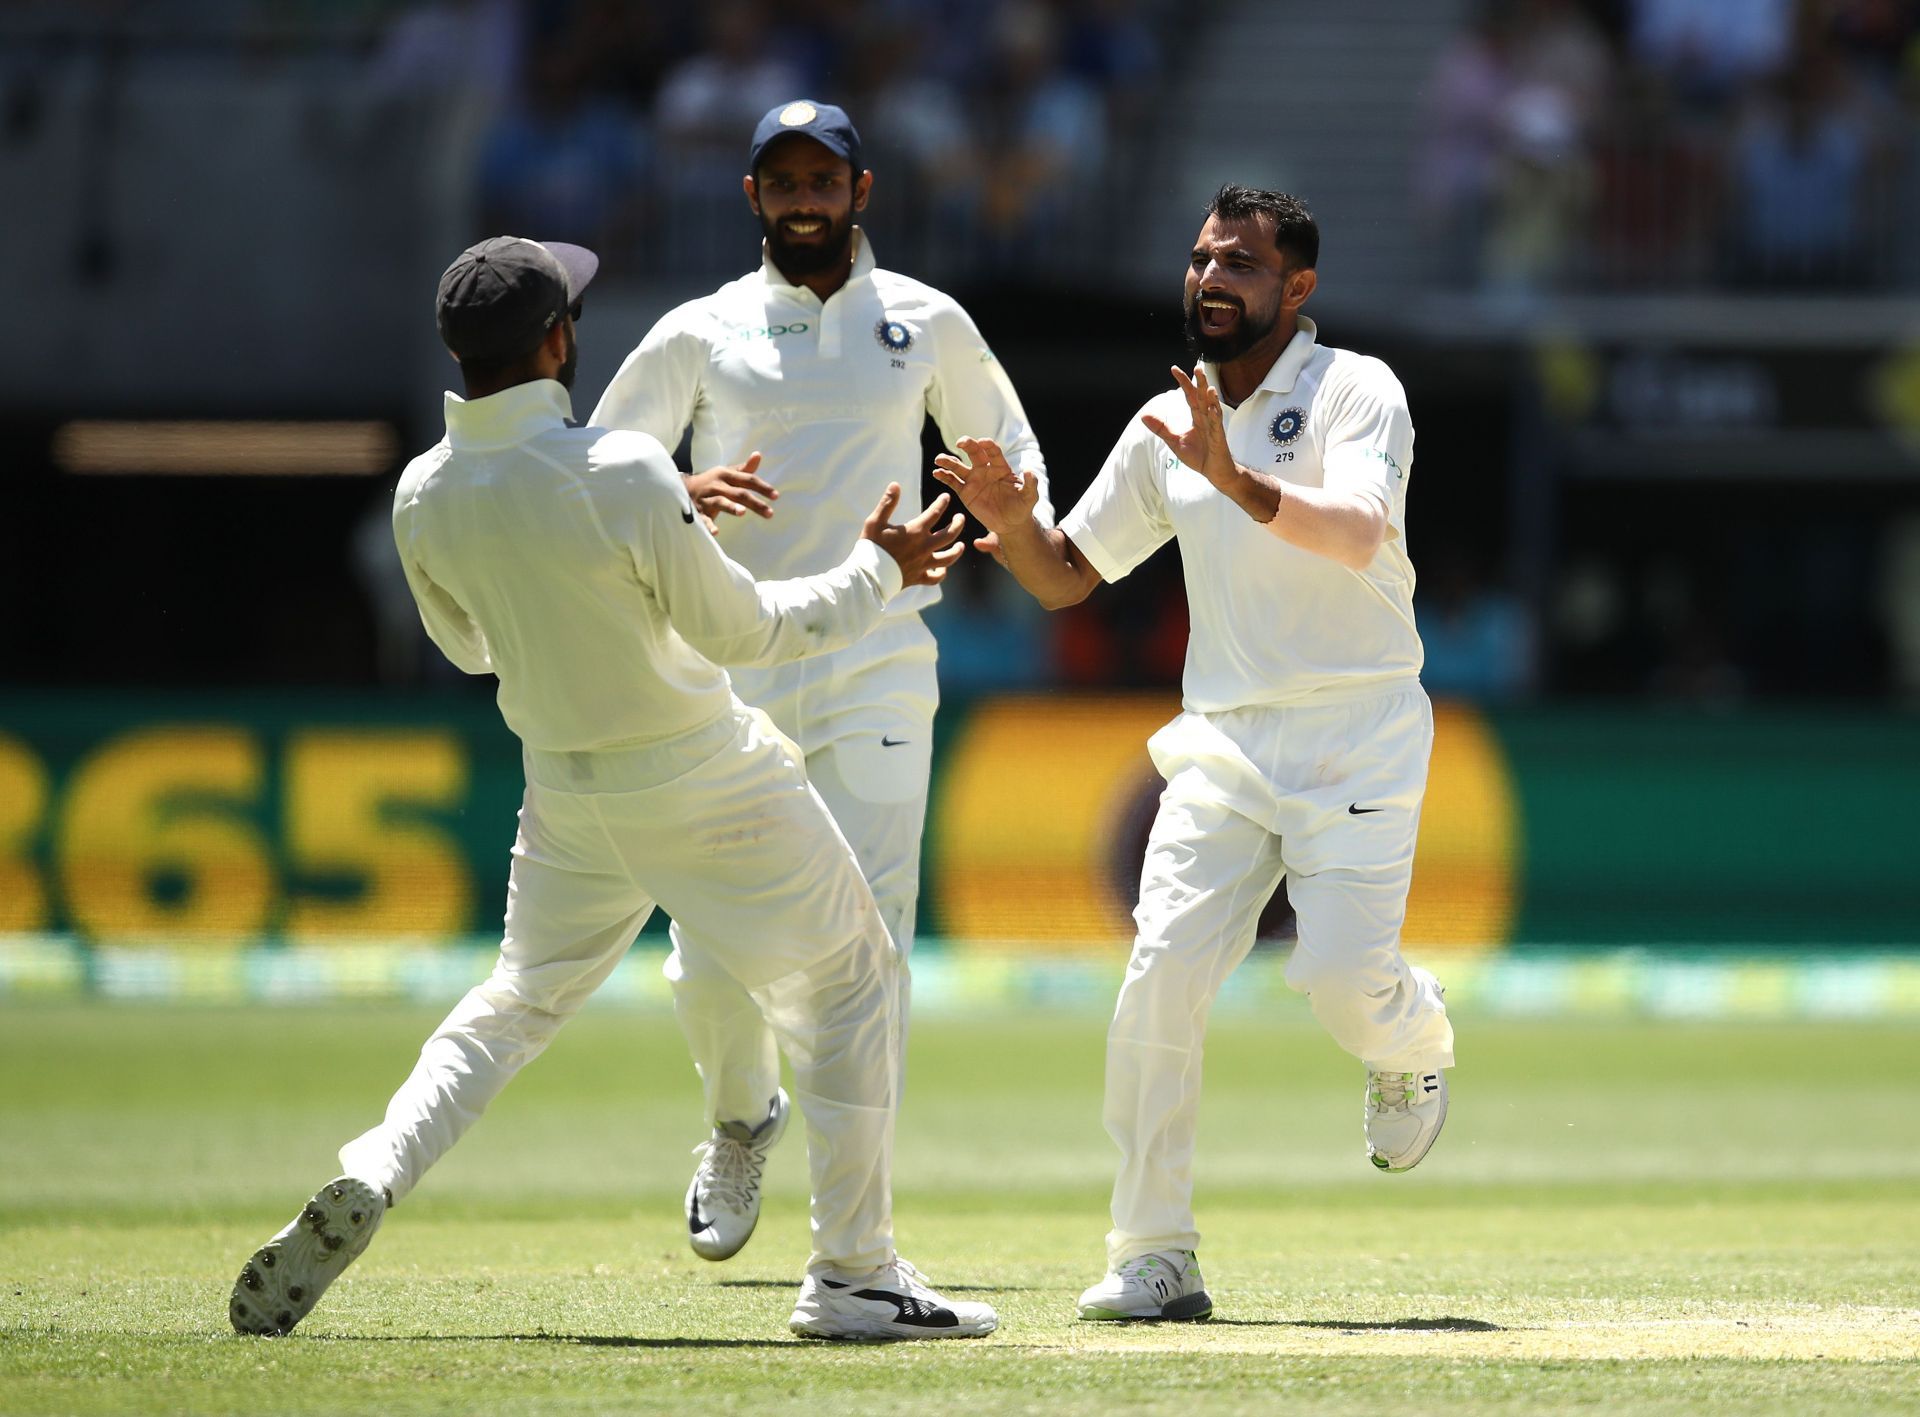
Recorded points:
(1302, 748)
(827, 366)
(571, 563)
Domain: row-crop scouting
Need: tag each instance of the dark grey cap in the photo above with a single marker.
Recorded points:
(500, 297)
(826, 125)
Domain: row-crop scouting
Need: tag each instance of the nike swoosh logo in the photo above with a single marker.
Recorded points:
(886, 742)
(1356, 810)
(694, 1223)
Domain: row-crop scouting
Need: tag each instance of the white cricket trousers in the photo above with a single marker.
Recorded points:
(737, 843)
(863, 716)
(1326, 797)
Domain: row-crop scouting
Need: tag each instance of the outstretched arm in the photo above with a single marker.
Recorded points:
(1042, 558)
(720, 609)
(1347, 527)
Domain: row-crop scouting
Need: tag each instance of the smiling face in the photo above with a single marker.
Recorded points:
(806, 197)
(1242, 292)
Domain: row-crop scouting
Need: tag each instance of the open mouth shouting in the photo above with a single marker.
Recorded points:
(1218, 314)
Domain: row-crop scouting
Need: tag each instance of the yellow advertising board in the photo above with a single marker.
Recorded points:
(1044, 804)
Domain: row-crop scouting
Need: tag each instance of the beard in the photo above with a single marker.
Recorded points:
(570, 366)
(1220, 349)
(814, 257)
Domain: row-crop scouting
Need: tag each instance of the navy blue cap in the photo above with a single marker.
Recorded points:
(826, 125)
(500, 297)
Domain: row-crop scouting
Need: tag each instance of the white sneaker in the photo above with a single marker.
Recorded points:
(895, 1301)
(1162, 1285)
(1404, 1115)
(287, 1275)
(723, 1199)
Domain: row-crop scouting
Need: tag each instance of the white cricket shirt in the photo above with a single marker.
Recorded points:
(833, 394)
(569, 562)
(1271, 623)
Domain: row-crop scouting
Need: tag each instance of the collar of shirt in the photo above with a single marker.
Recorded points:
(508, 417)
(1286, 369)
(862, 268)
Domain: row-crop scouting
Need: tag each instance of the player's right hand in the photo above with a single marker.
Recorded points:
(732, 490)
(988, 486)
(923, 547)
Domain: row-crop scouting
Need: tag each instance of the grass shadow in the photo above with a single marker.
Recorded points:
(794, 1284)
(579, 1340)
(1441, 1325)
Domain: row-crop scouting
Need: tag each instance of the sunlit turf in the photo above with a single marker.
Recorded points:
(1623, 1218)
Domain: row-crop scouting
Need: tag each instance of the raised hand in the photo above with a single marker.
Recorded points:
(732, 490)
(923, 548)
(1203, 447)
(989, 488)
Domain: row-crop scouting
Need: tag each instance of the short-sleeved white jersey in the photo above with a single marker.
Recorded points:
(569, 562)
(832, 393)
(1271, 623)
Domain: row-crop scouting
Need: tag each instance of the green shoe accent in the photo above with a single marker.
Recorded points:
(1189, 1308)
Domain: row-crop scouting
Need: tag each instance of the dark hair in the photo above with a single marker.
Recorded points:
(498, 373)
(1294, 229)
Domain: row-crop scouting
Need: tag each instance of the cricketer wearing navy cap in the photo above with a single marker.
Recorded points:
(811, 244)
(829, 366)
(825, 124)
(502, 298)
(568, 563)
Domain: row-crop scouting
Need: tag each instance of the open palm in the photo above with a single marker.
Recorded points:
(988, 487)
(1203, 446)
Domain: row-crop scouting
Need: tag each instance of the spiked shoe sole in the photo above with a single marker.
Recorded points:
(286, 1276)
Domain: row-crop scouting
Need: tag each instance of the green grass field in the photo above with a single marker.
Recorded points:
(1620, 1218)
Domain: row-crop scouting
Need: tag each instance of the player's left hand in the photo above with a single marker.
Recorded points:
(1203, 447)
(732, 489)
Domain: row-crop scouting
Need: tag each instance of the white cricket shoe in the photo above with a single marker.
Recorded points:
(895, 1301)
(1162, 1285)
(287, 1275)
(723, 1200)
(1404, 1115)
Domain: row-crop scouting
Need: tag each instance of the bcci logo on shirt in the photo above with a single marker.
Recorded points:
(893, 335)
(1287, 426)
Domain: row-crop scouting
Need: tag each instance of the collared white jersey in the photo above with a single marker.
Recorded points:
(569, 562)
(1270, 622)
(833, 395)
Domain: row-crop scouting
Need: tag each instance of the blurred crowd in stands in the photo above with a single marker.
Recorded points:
(626, 124)
(1666, 146)
(1620, 144)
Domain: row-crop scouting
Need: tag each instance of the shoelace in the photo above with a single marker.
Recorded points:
(1392, 1092)
(904, 1278)
(729, 1170)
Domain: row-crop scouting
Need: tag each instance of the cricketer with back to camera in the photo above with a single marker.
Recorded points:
(568, 562)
